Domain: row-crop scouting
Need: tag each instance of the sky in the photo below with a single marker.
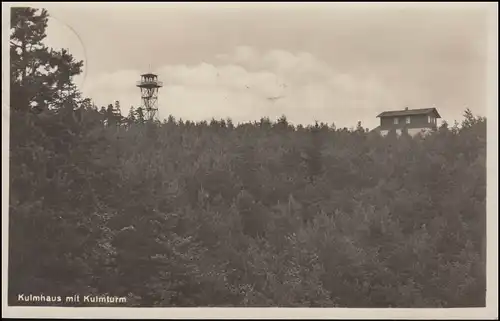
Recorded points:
(334, 63)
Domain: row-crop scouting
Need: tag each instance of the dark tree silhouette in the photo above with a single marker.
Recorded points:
(41, 77)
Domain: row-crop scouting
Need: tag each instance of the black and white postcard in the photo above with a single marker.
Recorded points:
(250, 160)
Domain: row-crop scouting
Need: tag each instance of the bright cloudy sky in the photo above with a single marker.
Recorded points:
(330, 62)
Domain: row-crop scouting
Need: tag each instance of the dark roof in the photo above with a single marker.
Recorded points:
(149, 75)
(408, 112)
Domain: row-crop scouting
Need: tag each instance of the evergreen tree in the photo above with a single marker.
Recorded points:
(140, 115)
(41, 77)
(131, 115)
(229, 123)
(171, 119)
(265, 123)
(359, 128)
(117, 110)
(282, 123)
(110, 115)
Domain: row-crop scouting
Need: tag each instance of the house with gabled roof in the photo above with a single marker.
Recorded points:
(415, 121)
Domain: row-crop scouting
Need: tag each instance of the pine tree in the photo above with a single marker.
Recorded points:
(265, 123)
(41, 78)
(470, 120)
(282, 122)
(131, 115)
(110, 115)
(140, 115)
(229, 123)
(117, 109)
(117, 112)
(359, 128)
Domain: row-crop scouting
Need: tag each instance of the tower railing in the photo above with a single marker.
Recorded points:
(150, 82)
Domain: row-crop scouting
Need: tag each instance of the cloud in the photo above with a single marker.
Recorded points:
(357, 61)
(241, 84)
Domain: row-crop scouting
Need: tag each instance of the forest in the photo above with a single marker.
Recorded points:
(202, 214)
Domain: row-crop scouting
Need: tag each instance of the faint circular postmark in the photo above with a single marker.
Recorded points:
(53, 22)
(63, 24)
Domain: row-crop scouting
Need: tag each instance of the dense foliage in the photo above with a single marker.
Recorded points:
(257, 214)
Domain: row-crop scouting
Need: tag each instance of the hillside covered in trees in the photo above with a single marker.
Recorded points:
(178, 213)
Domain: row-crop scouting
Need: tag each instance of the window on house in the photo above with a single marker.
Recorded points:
(408, 119)
(429, 119)
(396, 121)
